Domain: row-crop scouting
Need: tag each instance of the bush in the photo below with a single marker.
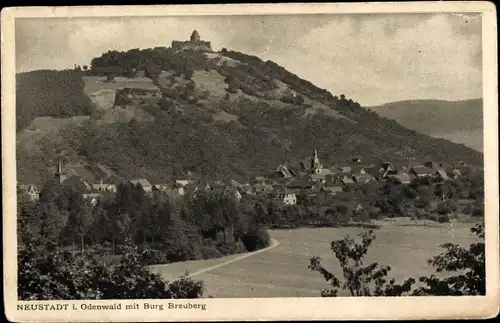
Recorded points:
(358, 279)
(441, 218)
(478, 210)
(422, 214)
(443, 209)
(232, 90)
(188, 74)
(257, 239)
(62, 276)
(209, 250)
(153, 257)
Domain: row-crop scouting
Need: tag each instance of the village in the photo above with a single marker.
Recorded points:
(282, 186)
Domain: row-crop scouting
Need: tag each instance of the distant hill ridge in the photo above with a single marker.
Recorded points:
(459, 121)
(221, 115)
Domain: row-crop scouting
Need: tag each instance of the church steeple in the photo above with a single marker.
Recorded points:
(60, 175)
(315, 163)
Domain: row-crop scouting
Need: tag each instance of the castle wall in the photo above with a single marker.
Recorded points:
(202, 46)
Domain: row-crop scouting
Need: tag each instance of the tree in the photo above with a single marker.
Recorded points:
(153, 71)
(188, 74)
(359, 280)
(469, 264)
(61, 275)
(79, 216)
(85, 67)
(51, 222)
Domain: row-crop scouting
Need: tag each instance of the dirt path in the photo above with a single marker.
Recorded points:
(274, 244)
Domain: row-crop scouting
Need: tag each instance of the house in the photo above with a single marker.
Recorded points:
(234, 193)
(260, 179)
(400, 177)
(282, 171)
(465, 170)
(345, 169)
(173, 192)
(191, 189)
(300, 184)
(348, 184)
(421, 171)
(146, 186)
(226, 190)
(347, 181)
(316, 178)
(285, 197)
(441, 174)
(174, 189)
(386, 166)
(245, 189)
(103, 187)
(234, 183)
(375, 172)
(332, 185)
(183, 181)
(333, 189)
(261, 189)
(456, 173)
(362, 178)
(217, 188)
(390, 172)
(31, 190)
(358, 169)
(113, 181)
(433, 165)
(356, 160)
(94, 198)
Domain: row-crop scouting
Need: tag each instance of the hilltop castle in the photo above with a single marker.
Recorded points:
(195, 44)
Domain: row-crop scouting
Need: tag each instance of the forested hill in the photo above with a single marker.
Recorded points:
(458, 121)
(220, 115)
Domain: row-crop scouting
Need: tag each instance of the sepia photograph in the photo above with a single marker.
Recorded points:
(194, 158)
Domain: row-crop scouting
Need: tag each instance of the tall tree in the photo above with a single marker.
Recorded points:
(468, 266)
(358, 279)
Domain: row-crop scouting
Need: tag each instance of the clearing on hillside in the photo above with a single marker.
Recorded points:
(210, 81)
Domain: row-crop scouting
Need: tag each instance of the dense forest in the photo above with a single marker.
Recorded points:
(267, 130)
(49, 93)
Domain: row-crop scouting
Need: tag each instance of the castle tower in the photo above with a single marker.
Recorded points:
(60, 175)
(195, 36)
(315, 163)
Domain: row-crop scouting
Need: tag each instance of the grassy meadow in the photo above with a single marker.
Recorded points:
(282, 271)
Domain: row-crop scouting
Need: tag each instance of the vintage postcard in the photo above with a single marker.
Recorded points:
(250, 162)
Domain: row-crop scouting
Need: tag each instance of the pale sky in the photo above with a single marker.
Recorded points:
(372, 59)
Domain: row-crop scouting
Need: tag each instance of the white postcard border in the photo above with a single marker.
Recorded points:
(262, 308)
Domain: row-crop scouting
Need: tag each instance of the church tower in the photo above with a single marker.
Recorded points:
(315, 163)
(195, 36)
(60, 175)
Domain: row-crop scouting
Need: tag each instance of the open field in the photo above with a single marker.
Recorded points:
(282, 271)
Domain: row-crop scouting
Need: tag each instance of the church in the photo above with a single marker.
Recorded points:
(194, 44)
(316, 170)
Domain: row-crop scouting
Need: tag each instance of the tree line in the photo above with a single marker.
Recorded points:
(125, 231)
